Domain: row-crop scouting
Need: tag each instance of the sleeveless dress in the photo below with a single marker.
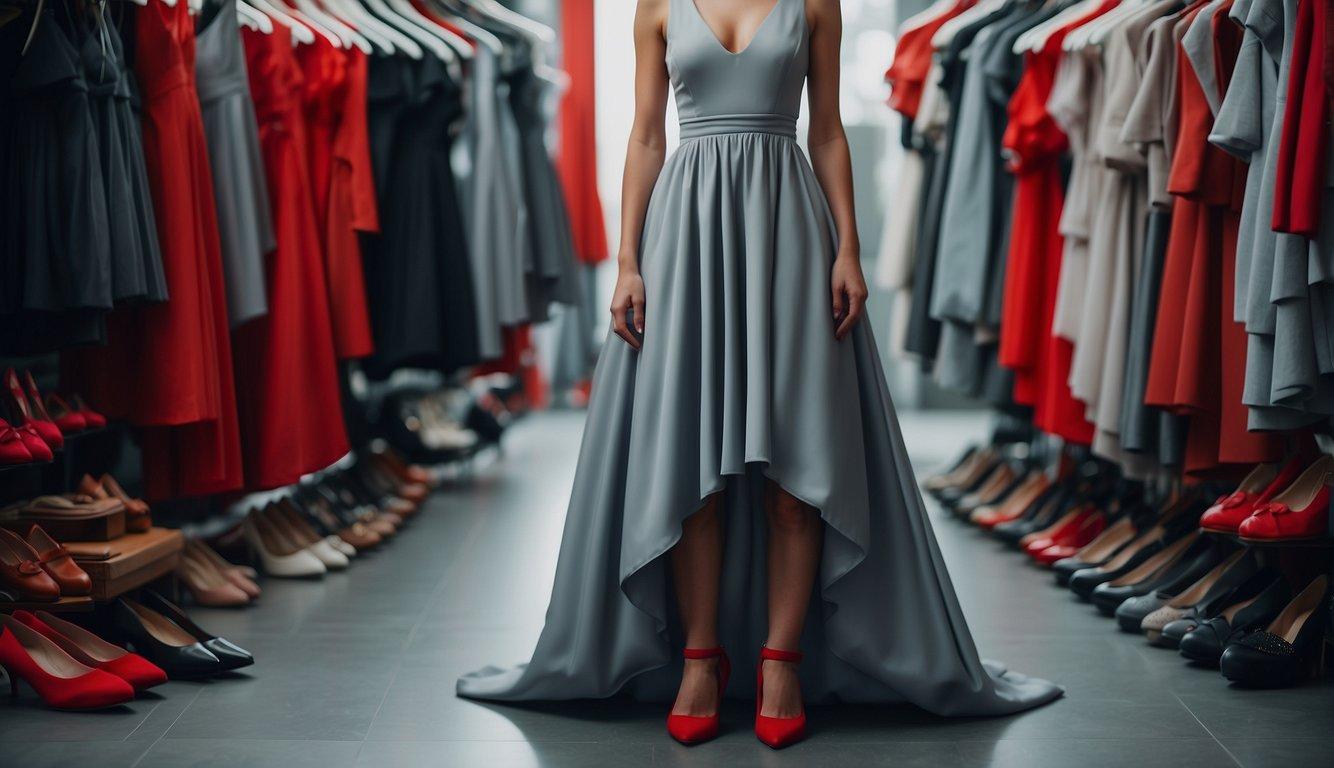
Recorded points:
(182, 394)
(288, 397)
(740, 379)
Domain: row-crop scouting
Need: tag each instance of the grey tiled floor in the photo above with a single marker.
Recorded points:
(359, 669)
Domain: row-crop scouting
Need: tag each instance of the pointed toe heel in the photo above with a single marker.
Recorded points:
(692, 729)
(776, 732)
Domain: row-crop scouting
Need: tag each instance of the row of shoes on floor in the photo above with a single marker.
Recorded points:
(71, 667)
(322, 525)
(437, 425)
(1154, 568)
(213, 581)
(1274, 503)
(32, 426)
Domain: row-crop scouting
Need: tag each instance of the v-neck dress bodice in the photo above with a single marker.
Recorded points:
(740, 382)
(757, 88)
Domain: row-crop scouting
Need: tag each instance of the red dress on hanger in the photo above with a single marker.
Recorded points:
(576, 161)
(334, 100)
(1300, 180)
(1039, 358)
(908, 71)
(1197, 363)
(287, 380)
(168, 367)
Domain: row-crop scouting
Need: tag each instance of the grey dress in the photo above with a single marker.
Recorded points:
(740, 379)
(241, 193)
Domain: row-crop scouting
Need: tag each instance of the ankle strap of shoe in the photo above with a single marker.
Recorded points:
(702, 653)
(773, 654)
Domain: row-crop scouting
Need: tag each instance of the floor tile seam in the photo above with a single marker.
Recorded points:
(167, 730)
(1207, 730)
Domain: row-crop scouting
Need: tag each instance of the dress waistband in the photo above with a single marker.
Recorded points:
(714, 125)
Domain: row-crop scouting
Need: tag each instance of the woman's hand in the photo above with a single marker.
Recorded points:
(849, 294)
(628, 296)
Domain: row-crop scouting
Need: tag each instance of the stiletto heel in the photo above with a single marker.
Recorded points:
(60, 680)
(691, 729)
(776, 732)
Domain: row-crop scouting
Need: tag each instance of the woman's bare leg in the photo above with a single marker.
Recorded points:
(795, 532)
(697, 565)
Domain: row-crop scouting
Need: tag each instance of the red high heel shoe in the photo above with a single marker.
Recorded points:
(690, 729)
(94, 419)
(92, 651)
(1067, 547)
(1257, 489)
(64, 415)
(776, 732)
(60, 680)
(27, 415)
(1054, 533)
(12, 448)
(1301, 511)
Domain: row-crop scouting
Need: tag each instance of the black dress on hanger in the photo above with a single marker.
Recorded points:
(418, 273)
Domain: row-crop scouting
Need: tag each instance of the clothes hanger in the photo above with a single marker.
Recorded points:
(300, 32)
(1083, 36)
(424, 39)
(935, 11)
(383, 36)
(1099, 35)
(949, 29)
(544, 34)
(454, 42)
(323, 31)
(1035, 38)
(248, 15)
(453, 13)
(347, 35)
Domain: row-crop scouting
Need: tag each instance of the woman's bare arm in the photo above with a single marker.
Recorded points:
(643, 161)
(828, 147)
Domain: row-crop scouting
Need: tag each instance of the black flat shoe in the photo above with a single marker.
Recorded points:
(229, 654)
(1253, 605)
(1289, 649)
(163, 642)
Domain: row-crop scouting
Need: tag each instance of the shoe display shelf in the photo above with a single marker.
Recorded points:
(116, 567)
(129, 562)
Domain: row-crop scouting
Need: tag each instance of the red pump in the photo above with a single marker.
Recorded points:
(776, 732)
(691, 729)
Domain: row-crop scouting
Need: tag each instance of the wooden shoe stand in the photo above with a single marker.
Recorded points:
(117, 566)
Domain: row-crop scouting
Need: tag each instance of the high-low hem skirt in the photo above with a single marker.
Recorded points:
(740, 380)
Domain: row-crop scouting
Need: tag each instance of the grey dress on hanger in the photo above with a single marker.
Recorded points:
(740, 379)
(551, 275)
(493, 207)
(244, 219)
